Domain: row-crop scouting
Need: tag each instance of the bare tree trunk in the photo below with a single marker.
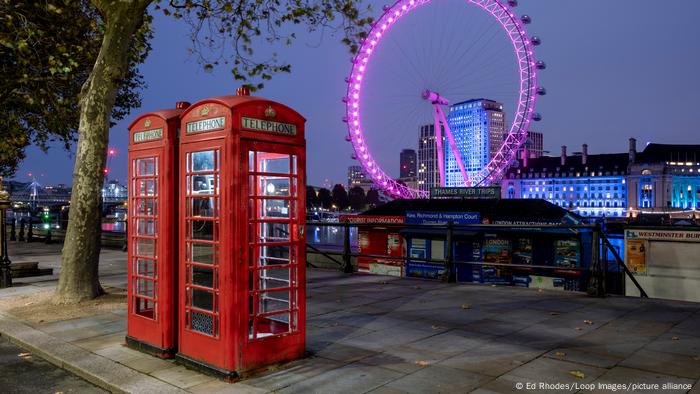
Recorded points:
(79, 280)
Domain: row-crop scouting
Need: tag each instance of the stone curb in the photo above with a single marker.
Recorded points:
(96, 369)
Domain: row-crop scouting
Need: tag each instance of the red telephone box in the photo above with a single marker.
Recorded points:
(242, 249)
(152, 254)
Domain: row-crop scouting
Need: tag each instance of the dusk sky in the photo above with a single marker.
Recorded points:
(616, 69)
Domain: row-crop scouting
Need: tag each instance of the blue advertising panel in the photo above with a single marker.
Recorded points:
(427, 217)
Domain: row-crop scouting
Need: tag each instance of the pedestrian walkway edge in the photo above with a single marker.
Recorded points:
(96, 369)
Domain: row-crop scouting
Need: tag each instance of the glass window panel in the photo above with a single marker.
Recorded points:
(271, 325)
(273, 255)
(145, 247)
(203, 299)
(294, 164)
(202, 229)
(144, 307)
(203, 206)
(145, 267)
(272, 209)
(274, 278)
(203, 253)
(145, 167)
(146, 207)
(203, 161)
(272, 186)
(146, 226)
(204, 184)
(251, 161)
(273, 162)
(273, 301)
(203, 276)
(273, 232)
(145, 287)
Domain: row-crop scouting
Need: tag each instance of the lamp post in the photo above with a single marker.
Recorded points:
(5, 273)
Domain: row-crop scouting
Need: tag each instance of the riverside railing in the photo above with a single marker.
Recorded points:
(597, 271)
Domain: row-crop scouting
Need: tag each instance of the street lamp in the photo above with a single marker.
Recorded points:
(5, 272)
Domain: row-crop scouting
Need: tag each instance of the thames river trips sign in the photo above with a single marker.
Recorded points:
(268, 126)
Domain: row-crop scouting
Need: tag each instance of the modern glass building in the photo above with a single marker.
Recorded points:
(428, 171)
(478, 127)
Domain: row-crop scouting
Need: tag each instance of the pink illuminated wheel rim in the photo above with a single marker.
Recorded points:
(522, 117)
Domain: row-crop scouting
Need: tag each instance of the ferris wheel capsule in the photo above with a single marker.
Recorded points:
(512, 3)
(526, 19)
(541, 65)
(536, 41)
(537, 116)
(541, 91)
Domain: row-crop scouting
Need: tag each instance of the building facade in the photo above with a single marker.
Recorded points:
(428, 173)
(478, 127)
(660, 179)
(407, 163)
(534, 145)
(356, 177)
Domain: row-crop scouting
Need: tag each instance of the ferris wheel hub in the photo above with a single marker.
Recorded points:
(434, 97)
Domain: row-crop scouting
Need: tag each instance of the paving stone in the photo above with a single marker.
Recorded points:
(404, 359)
(556, 371)
(494, 327)
(677, 343)
(664, 363)
(148, 364)
(101, 342)
(622, 375)
(292, 373)
(120, 353)
(492, 360)
(344, 352)
(596, 357)
(384, 339)
(439, 379)
(220, 387)
(181, 377)
(451, 343)
(352, 378)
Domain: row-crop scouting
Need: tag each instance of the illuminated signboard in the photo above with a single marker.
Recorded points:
(205, 125)
(148, 135)
(268, 126)
(466, 192)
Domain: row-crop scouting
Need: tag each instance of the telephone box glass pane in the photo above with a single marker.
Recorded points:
(146, 267)
(146, 227)
(145, 287)
(145, 307)
(273, 163)
(203, 161)
(146, 167)
(145, 247)
(203, 276)
(203, 253)
(202, 229)
(272, 190)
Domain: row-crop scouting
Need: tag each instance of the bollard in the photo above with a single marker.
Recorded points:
(5, 271)
(347, 258)
(30, 231)
(13, 230)
(21, 230)
(47, 240)
(449, 259)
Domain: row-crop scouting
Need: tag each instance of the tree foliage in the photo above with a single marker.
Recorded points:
(47, 51)
(234, 32)
(340, 197)
(356, 197)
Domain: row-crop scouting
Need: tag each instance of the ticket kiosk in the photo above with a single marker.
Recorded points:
(152, 252)
(241, 234)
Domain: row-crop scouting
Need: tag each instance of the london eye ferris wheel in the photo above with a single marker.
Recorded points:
(419, 57)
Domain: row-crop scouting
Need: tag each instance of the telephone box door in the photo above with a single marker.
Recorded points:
(275, 258)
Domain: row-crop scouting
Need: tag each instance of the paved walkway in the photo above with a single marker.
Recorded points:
(390, 335)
